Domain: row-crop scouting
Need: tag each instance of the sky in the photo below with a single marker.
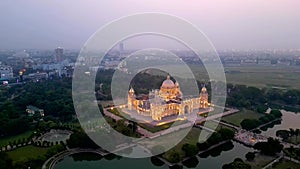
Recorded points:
(229, 24)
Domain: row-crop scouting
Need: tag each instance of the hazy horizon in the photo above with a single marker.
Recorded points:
(231, 24)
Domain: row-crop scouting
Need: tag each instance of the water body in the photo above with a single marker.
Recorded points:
(91, 161)
(80, 161)
(215, 159)
(289, 120)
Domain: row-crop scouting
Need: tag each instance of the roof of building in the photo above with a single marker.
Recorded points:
(203, 90)
(168, 83)
(131, 90)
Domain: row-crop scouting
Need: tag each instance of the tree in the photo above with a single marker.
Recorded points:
(174, 157)
(214, 138)
(297, 132)
(284, 134)
(276, 113)
(237, 164)
(189, 149)
(133, 126)
(226, 133)
(261, 109)
(54, 150)
(250, 156)
(271, 147)
(5, 161)
(292, 132)
(250, 124)
(156, 161)
(81, 140)
(291, 97)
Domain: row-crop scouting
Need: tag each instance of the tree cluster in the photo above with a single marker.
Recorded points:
(237, 164)
(256, 99)
(217, 137)
(53, 96)
(80, 139)
(250, 124)
(271, 147)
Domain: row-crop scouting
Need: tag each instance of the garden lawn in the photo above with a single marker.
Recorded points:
(23, 153)
(191, 138)
(238, 117)
(260, 161)
(213, 125)
(6, 140)
(286, 164)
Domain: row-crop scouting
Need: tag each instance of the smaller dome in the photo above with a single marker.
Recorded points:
(131, 90)
(168, 83)
(203, 90)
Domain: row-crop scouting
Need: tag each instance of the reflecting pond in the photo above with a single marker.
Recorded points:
(289, 120)
(212, 159)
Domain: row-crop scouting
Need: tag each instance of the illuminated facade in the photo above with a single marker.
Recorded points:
(166, 101)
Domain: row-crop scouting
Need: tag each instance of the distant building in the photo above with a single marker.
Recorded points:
(37, 76)
(264, 62)
(59, 52)
(32, 110)
(249, 62)
(234, 62)
(6, 72)
(284, 62)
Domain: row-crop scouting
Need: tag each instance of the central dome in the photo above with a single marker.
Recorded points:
(168, 83)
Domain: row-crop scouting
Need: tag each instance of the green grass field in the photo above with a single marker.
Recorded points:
(265, 76)
(191, 138)
(257, 76)
(217, 127)
(23, 153)
(285, 164)
(260, 161)
(155, 129)
(6, 140)
(238, 117)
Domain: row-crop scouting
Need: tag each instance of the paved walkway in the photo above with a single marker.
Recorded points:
(272, 162)
(205, 128)
(216, 116)
(291, 159)
(277, 159)
(113, 116)
(227, 124)
(54, 159)
(270, 122)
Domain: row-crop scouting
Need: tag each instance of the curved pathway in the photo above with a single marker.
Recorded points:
(54, 159)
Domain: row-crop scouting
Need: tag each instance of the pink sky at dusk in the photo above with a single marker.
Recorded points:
(229, 24)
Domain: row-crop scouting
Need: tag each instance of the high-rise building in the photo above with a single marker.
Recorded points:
(59, 52)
